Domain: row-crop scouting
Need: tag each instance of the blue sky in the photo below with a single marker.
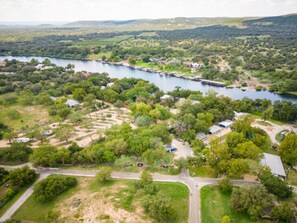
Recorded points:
(73, 10)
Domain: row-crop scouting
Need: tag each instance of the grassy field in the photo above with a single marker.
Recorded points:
(214, 205)
(115, 201)
(29, 115)
(13, 200)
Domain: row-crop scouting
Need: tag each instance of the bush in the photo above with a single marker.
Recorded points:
(104, 174)
(285, 212)
(225, 185)
(47, 189)
(158, 208)
(22, 176)
(275, 186)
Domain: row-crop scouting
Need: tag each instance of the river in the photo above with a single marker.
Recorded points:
(165, 83)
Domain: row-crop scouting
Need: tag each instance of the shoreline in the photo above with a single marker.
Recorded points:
(168, 74)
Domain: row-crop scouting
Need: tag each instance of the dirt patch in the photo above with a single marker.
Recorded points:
(90, 207)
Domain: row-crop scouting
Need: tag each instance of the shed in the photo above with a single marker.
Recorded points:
(275, 164)
(201, 136)
(71, 103)
(214, 129)
(226, 123)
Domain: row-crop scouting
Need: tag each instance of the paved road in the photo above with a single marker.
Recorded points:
(194, 185)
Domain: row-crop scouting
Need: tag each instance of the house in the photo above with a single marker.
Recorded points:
(214, 129)
(275, 164)
(72, 103)
(39, 66)
(201, 136)
(226, 123)
(165, 97)
(110, 84)
(22, 140)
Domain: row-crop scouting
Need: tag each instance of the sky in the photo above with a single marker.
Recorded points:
(74, 10)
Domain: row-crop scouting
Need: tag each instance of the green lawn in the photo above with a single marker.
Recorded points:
(214, 205)
(13, 200)
(115, 193)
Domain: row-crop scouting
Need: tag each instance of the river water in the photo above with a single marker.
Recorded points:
(165, 83)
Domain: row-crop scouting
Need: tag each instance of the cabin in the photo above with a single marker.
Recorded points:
(275, 164)
(226, 123)
(201, 136)
(214, 129)
(72, 103)
(22, 140)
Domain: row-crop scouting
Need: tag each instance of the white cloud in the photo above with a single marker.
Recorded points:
(72, 10)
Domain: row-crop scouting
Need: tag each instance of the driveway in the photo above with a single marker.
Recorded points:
(183, 149)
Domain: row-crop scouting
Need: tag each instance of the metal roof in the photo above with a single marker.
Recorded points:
(275, 164)
(226, 123)
(214, 129)
(201, 136)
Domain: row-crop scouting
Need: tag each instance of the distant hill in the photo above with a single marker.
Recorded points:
(160, 24)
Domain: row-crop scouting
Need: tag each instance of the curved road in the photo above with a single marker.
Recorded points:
(194, 185)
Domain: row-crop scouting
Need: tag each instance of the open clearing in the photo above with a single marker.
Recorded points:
(214, 205)
(115, 201)
(29, 116)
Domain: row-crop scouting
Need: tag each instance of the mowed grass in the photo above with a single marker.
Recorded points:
(214, 205)
(178, 195)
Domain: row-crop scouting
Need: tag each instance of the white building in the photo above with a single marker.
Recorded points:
(110, 84)
(71, 103)
(275, 164)
(226, 123)
(165, 97)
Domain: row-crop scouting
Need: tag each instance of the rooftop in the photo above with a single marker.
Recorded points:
(275, 164)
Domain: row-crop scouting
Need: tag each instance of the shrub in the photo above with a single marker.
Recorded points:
(22, 176)
(225, 185)
(275, 186)
(16, 153)
(158, 208)
(47, 189)
(104, 174)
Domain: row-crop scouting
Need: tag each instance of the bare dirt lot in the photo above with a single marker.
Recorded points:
(90, 205)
